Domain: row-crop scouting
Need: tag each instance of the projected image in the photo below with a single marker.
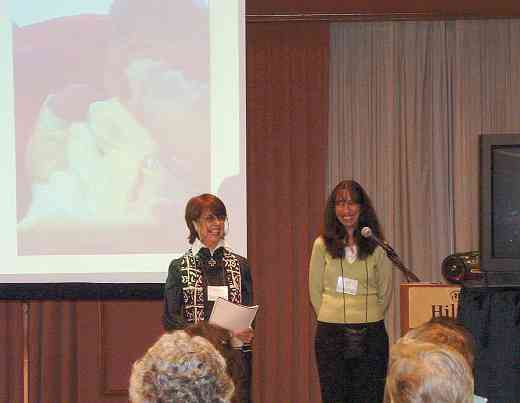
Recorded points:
(112, 123)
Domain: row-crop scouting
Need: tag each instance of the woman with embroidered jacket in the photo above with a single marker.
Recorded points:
(208, 270)
(350, 283)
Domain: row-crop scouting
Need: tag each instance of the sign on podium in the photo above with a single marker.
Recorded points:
(421, 302)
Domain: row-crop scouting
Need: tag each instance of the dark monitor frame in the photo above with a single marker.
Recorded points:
(488, 262)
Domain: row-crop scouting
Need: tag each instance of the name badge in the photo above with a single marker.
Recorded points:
(347, 285)
(216, 291)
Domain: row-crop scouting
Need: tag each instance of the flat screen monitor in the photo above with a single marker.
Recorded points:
(500, 203)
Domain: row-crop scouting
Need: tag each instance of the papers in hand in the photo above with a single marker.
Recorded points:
(232, 316)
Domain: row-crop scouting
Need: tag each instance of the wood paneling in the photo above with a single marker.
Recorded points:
(127, 329)
(287, 116)
(82, 351)
(11, 351)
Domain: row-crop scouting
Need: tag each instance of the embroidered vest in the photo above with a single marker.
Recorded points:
(193, 288)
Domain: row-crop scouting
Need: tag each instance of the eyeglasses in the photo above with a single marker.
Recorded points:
(212, 218)
(344, 203)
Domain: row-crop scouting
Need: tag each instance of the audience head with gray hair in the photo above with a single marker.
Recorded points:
(181, 368)
(421, 372)
(447, 332)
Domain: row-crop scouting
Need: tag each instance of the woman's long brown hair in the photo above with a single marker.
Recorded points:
(335, 235)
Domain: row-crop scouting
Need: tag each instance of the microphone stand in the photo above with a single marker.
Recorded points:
(366, 232)
(396, 260)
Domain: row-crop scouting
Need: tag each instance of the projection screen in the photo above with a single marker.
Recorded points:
(114, 113)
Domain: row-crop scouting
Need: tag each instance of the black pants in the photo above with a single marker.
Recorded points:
(352, 375)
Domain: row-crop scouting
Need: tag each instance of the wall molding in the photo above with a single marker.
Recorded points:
(373, 16)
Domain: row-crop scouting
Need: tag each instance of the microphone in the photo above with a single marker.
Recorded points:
(366, 232)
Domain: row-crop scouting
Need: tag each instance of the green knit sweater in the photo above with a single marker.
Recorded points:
(369, 301)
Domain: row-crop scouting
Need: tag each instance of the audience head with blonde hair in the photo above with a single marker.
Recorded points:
(181, 368)
(422, 372)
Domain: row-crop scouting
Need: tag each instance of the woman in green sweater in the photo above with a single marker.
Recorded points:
(350, 282)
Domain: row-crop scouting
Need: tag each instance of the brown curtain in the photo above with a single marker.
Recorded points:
(11, 351)
(287, 112)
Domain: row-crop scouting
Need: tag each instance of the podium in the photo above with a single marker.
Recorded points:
(421, 302)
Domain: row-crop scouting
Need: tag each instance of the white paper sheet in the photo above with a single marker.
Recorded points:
(232, 316)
